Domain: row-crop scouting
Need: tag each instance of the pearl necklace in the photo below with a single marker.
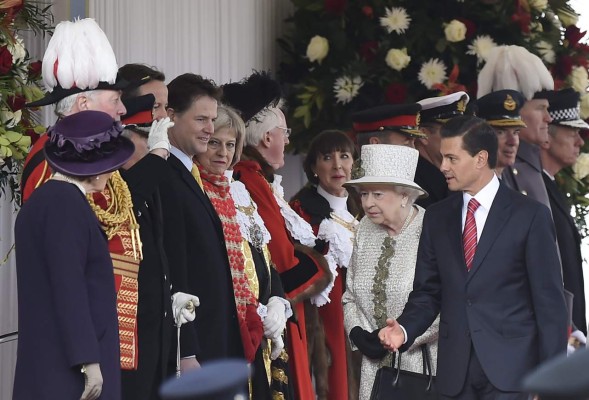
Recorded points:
(64, 178)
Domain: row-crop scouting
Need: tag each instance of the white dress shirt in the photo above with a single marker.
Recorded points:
(184, 159)
(485, 197)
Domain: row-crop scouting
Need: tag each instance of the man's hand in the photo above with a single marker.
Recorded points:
(93, 381)
(183, 306)
(158, 135)
(392, 336)
(186, 364)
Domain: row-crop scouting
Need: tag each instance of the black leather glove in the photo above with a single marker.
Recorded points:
(368, 343)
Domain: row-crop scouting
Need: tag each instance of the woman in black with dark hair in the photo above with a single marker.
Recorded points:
(332, 213)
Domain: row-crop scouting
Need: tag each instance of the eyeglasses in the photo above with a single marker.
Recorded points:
(286, 131)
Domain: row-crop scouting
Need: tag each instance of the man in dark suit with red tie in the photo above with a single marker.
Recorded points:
(488, 264)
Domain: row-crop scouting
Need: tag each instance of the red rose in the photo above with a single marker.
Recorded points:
(368, 51)
(35, 69)
(471, 28)
(396, 93)
(33, 135)
(335, 7)
(574, 35)
(368, 11)
(16, 103)
(5, 60)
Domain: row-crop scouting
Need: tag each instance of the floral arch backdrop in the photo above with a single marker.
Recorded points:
(346, 55)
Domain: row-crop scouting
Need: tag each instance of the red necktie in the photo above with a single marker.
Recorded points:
(469, 236)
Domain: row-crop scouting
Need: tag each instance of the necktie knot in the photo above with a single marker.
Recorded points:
(473, 205)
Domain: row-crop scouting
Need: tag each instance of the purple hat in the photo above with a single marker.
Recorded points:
(87, 143)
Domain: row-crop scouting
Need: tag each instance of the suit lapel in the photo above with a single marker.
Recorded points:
(454, 224)
(498, 216)
(192, 184)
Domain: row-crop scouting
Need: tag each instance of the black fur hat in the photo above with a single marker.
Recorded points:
(252, 94)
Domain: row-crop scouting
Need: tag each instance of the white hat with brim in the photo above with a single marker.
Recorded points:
(386, 164)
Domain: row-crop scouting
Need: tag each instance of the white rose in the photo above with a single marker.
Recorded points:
(538, 5)
(581, 167)
(397, 59)
(455, 31)
(317, 49)
(585, 106)
(579, 79)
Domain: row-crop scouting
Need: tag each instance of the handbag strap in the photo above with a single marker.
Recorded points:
(427, 365)
(397, 355)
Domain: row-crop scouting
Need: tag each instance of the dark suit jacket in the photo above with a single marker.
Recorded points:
(510, 307)
(431, 179)
(569, 245)
(526, 174)
(195, 248)
(154, 312)
(67, 313)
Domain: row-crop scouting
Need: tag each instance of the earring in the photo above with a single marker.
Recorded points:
(315, 175)
(403, 205)
(97, 178)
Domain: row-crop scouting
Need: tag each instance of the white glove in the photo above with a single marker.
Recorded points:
(576, 340)
(275, 320)
(93, 381)
(277, 347)
(158, 134)
(183, 307)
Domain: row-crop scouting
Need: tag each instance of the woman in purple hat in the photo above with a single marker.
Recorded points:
(68, 330)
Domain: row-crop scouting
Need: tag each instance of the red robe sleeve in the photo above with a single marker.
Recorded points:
(297, 274)
(36, 171)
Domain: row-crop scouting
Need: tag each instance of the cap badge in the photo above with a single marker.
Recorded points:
(417, 119)
(461, 105)
(509, 104)
(357, 170)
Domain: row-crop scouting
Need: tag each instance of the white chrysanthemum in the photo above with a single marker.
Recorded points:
(432, 71)
(346, 88)
(546, 51)
(480, 47)
(396, 19)
(579, 79)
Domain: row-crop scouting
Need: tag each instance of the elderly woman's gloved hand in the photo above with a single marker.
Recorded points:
(183, 307)
(93, 381)
(368, 343)
(278, 311)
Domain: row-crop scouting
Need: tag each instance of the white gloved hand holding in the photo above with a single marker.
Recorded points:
(183, 307)
(158, 134)
(576, 340)
(277, 347)
(275, 320)
(93, 381)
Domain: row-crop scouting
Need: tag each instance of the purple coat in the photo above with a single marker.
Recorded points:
(66, 297)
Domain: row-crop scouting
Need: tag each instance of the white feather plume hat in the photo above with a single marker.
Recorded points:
(78, 58)
(515, 68)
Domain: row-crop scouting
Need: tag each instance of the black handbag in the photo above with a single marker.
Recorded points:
(395, 384)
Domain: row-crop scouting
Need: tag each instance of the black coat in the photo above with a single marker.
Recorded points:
(155, 323)
(432, 181)
(67, 313)
(197, 257)
(569, 245)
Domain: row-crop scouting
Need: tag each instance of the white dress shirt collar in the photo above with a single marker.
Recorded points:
(336, 203)
(485, 198)
(184, 159)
